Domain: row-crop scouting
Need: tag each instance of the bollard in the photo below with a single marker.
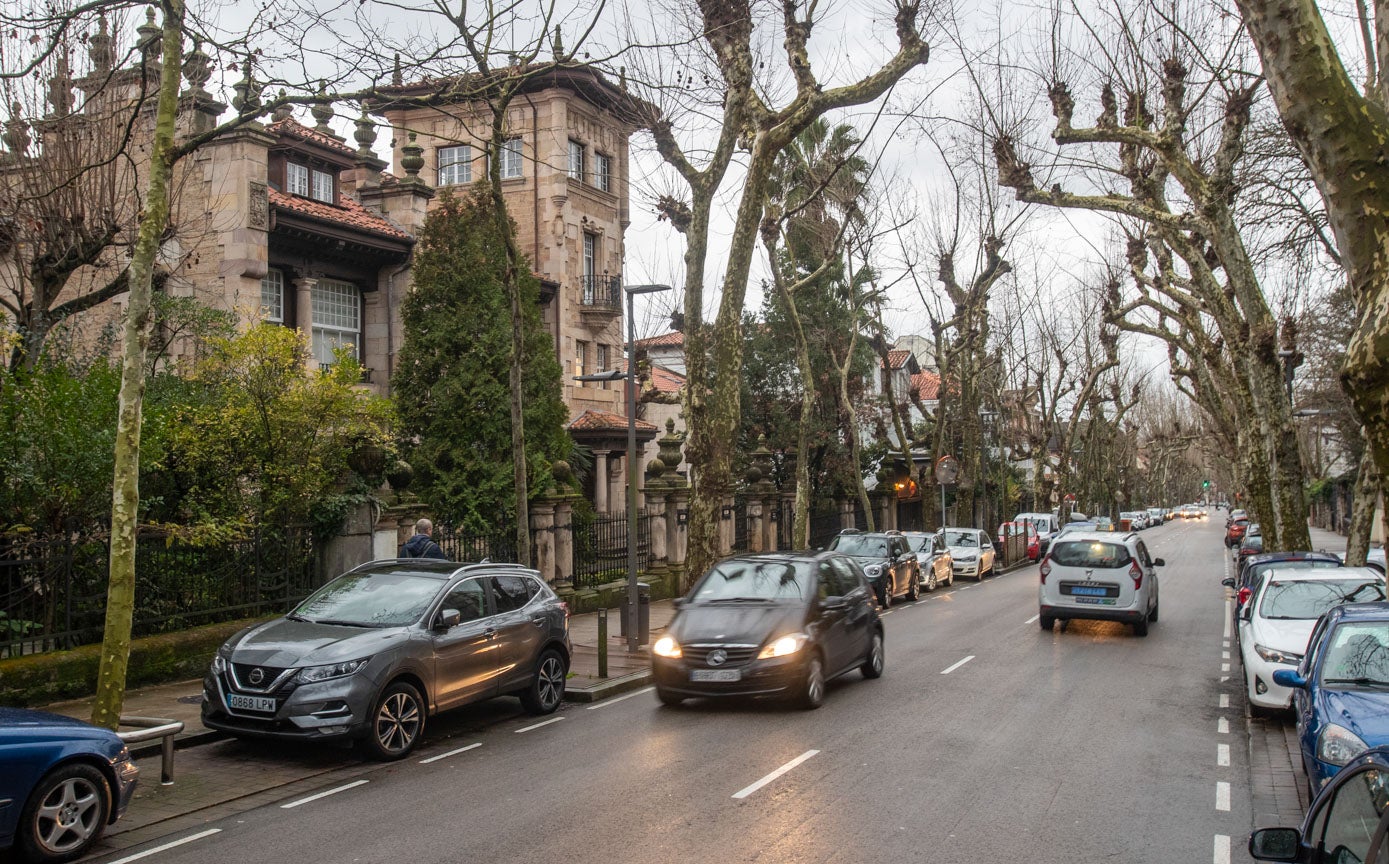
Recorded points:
(602, 643)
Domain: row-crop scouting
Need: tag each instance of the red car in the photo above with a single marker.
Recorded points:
(1234, 532)
(1033, 541)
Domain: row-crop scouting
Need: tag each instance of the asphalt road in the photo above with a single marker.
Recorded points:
(986, 740)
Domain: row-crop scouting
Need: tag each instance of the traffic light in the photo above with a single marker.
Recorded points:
(1205, 484)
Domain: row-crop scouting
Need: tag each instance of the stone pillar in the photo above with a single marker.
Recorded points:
(303, 313)
(617, 483)
(846, 514)
(771, 508)
(600, 481)
(887, 510)
(564, 540)
(543, 526)
(656, 506)
(757, 539)
(726, 526)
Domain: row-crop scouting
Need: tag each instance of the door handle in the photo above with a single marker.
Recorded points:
(540, 621)
(489, 632)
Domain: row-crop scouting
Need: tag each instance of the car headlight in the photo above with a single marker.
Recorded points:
(219, 664)
(785, 645)
(966, 558)
(1337, 745)
(310, 674)
(1271, 655)
(873, 569)
(666, 647)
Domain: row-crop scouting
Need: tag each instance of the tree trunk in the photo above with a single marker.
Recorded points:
(800, 533)
(125, 492)
(1362, 511)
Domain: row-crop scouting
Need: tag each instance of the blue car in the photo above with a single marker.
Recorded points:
(1345, 823)
(62, 782)
(1341, 689)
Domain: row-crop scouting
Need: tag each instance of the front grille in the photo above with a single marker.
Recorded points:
(243, 674)
(698, 655)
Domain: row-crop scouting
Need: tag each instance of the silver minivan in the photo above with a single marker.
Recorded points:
(372, 654)
(1101, 576)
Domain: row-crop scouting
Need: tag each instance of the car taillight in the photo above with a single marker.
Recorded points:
(1136, 574)
(1243, 596)
(1045, 569)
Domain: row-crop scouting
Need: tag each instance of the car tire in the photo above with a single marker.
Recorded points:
(1046, 622)
(885, 596)
(950, 583)
(1153, 615)
(914, 592)
(933, 582)
(873, 664)
(75, 791)
(1140, 629)
(397, 722)
(812, 693)
(546, 690)
(669, 699)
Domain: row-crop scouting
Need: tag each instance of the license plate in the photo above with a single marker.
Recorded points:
(1087, 591)
(1099, 601)
(251, 703)
(723, 675)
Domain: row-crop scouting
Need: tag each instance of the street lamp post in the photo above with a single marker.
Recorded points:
(985, 418)
(633, 593)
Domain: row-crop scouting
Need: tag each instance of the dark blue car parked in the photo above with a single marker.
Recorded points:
(1345, 823)
(62, 782)
(1341, 689)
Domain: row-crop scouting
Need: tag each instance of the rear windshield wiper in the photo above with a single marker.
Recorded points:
(1358, 682)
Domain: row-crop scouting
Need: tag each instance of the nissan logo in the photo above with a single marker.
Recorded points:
(256, 676)
(718, 657)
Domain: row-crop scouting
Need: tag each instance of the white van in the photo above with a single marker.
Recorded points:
(1045, 523)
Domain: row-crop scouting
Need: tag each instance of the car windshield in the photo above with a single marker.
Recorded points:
(1307, 599)
(1090, 553)
(370, 599)
(860, 545)
(961, 538)
(919, 544)
(1299, 564)
(1358, 653)
(732, 581)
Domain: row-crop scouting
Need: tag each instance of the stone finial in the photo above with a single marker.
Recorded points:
(16, 135)
(197, 69)
(100, 49)
(559, 44)
(283, 111)
(560, 470)
(147, 36)
(669, 445)
(60, 97)
(365, 136)
(247, 98)
(654, 469)
(397, 78)
(412, 160)
(323, 112)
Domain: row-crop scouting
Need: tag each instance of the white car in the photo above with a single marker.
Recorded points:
(1045, 523)
(1101, 576)
(971, 553)
(1277, 621)
(1155, 515)
(1138, 519)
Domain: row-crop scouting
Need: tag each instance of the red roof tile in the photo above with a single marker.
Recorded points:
(348, 212)
(662, 379)
(603, 421)
(897, 358)
(926, 386)
(665, 340)
(294, 129)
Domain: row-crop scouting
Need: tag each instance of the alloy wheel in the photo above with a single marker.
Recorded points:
(551, 683)
(814, 683)
(397, 722)
(876, 658)
(69, 816)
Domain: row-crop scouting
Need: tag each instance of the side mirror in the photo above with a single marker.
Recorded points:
(678, 602)
(1158, 562)
(1228, 582)
(448, 619)
(1289, 678)
(1275, 844)
(833, 604)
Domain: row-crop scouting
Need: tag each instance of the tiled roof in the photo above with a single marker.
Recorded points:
(926, 386)
(673, 339)
(897, 358)
(293, 128)
(603, 421)
(348, 212)
(662, 379)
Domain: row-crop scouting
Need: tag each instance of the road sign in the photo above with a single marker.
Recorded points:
(1070, 499)
(947, 470)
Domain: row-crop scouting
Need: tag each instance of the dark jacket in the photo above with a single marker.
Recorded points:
(420, 546)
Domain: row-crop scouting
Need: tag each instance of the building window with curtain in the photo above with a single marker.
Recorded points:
(296, 179)
(603, 172)
(272, 297)
(455, 165)
(576, 160)
(324, 187)
(337, 319)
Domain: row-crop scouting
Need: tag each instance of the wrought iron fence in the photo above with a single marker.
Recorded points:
(600, 548)
(53, 590)
(475, 547)
(823, 529)
(740, 524)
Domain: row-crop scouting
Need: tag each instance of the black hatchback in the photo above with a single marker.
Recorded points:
(774, 624)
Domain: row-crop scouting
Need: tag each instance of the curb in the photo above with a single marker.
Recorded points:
(181, 742)
(610, 688)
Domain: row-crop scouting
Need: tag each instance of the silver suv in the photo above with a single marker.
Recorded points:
(372, 654)
(1099, 575)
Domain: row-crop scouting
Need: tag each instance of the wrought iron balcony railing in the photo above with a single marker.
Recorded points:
(601, 292)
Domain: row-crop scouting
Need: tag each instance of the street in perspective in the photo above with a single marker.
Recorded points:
(881, 431)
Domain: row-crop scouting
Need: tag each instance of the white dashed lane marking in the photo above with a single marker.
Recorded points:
(953, 666)
(182, 840)
(748, 790)
(538, 725)
(324, 794)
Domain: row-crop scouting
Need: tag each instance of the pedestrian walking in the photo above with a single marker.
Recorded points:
(422, 545)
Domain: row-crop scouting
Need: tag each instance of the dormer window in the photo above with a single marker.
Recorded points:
(296, 179)
(324, 186)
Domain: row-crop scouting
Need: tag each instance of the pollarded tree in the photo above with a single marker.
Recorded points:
(454, 368)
